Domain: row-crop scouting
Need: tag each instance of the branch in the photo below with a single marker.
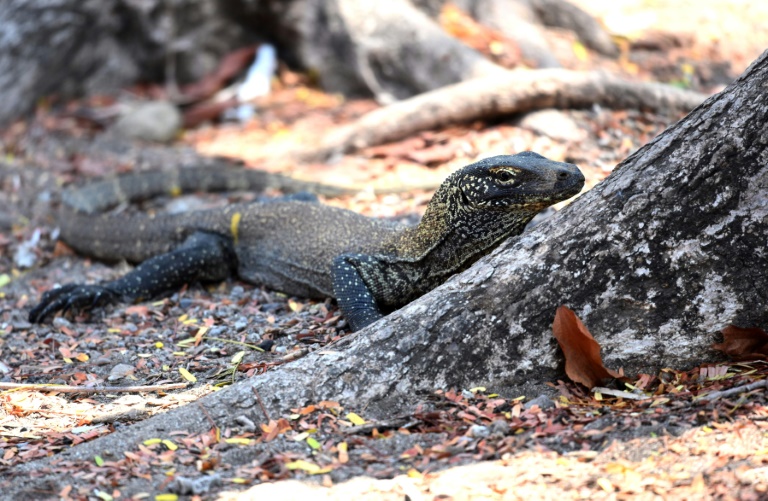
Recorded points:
(735, 391)
(514, 92)
(62, 388)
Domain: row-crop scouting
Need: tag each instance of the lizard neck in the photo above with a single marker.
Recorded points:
(450, 233)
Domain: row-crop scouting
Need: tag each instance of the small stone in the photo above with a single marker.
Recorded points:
(154, 121)
(554, 124)
(245, 423)
(217, 331)
(499, 428)
(267, 344)
(543, 401)
(196, 486)
(59, 322)
(120, 371)
(479, 431)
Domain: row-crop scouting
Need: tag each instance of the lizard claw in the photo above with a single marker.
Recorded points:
(71, 297)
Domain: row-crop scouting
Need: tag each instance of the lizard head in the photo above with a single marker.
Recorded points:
(523, 182)
(487, 201)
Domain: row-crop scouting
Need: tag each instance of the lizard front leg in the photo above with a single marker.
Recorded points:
(202, 257)
(355, 299)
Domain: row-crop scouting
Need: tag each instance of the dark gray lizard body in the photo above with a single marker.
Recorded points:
(306, 249)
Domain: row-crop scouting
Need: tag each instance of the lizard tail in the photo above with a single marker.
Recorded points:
(98, 196)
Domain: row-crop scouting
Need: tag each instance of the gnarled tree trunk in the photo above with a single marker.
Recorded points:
(72, 48)
(391, 50)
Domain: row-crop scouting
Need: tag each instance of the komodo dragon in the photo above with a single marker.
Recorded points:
(307, 249)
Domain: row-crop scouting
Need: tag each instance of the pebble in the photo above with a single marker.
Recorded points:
(217, 331)
(245, 423)
(543, 401)
(157, 121)
(61, 322)
(267, 345)
(499, 427)
(120, 371)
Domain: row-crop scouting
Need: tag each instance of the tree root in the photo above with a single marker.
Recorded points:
(517, 91)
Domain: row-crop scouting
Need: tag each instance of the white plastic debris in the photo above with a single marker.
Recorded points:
(25, 255)
(258, 81)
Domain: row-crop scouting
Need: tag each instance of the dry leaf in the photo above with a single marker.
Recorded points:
(582, 353)
(187, 375)
(744, 344)
(355, 419)
(306, 466)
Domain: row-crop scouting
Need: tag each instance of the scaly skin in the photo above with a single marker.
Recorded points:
(306, 249)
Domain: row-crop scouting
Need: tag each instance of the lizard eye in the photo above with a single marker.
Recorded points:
(504, 176)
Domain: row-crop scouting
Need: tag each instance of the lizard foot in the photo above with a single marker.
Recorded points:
(71, 297)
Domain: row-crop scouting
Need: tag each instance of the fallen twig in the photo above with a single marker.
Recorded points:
(619, 393)
(734, 391)
(388, 424)
(207, 414)
(261, 404)
(62, 388)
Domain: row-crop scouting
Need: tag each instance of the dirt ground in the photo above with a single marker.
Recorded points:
(681, 434)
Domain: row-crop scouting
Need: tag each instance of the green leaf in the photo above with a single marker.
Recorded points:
(313, 443)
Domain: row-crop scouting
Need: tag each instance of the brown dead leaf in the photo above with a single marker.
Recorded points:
(744, 344)
(206, 111)
(274, 428)
(230, 65)
(61, 249)
(137, 309)
(582, 353)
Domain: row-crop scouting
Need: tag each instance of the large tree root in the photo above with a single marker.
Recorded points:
(513, 92)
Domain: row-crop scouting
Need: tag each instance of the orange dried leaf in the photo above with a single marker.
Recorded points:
(582, 353)
(743, 344)
(307, 410)
(137, 309)
(343, 453)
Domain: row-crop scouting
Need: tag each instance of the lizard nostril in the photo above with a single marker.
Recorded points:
(562, 175)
